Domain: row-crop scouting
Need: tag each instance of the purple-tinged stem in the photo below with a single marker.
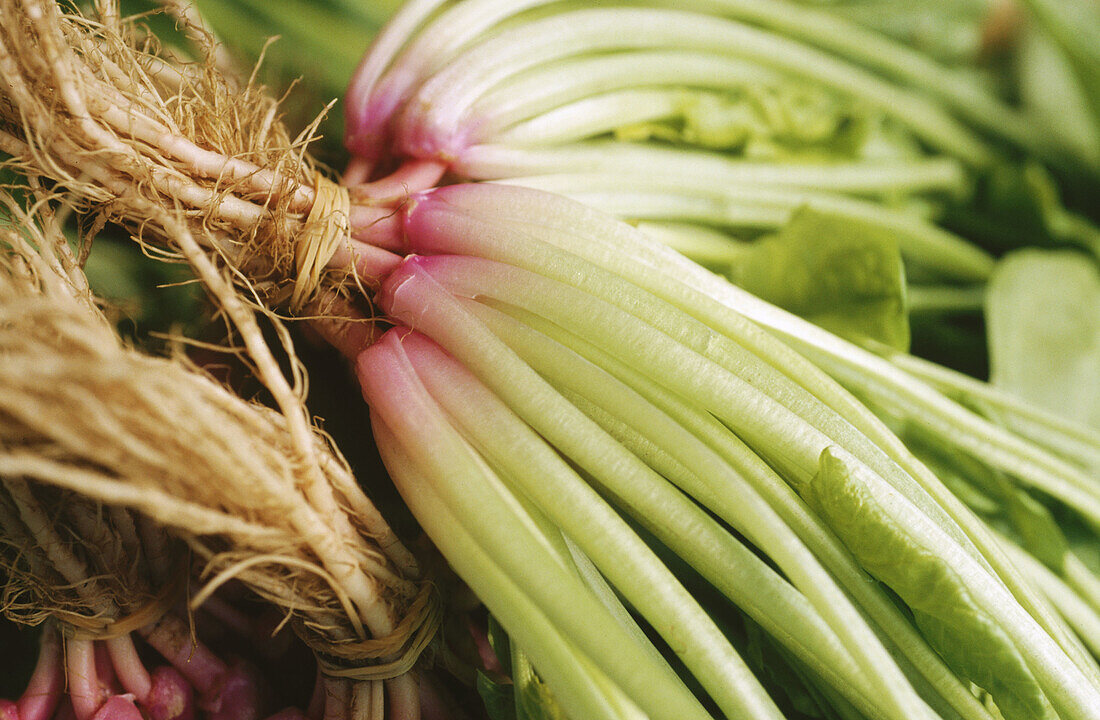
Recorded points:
(377, 226)
(128, 667)
(105, 671)
(364, 118)
(226, 693)
(345, 328)
(228, 615)
(9, 710)
(171, 637)
(411, 177)
(118, 707)
(357, 172)
(369, 262)
(170, 697)
(236, 698)
(84, 689)
(65, 710)
(489, 659)
(404, 697)
(39, 700)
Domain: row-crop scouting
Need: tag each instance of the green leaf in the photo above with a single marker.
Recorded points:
(498, 695)
(1043, 319)
(534, 701)
(1052, 93)
(787, 121)
(1075, 25)
(1017, 205)
(992, 494)
(838, 272)
(790, 684)
(965, 634)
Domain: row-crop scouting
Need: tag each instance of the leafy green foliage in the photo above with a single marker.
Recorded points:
(966, 635)
(1043, 315)
(498, 695)
(989, 492)
(790, 121)
(839, 273)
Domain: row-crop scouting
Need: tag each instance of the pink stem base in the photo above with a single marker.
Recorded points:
(412, 177)
(40, 699)
(170, 697)
(85, 691)
(118, 707)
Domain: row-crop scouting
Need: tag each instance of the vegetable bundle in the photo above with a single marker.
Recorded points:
(113, 482)
(633, 462)
(724, 116)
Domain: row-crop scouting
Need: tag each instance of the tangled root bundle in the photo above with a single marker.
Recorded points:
(141, 137)
(103, 447)
(199, 168)
(94, 421)
(133, 133)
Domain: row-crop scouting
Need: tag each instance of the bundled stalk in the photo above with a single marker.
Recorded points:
(713, 123)
(564, 404)
(115, 464)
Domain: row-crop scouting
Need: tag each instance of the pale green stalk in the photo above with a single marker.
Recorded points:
(544, 88)
(607, 596)
(736, 572)
(784, 437)
(508, 443)
(677, 454)
(579, 684)
(1068, 439)
(473, 494)
(905, 397)
(877, 52)
(747, 206)
(443, 102)
(807, 526)
(468, 340)
(1082, 617)
(595, 115)
(714, 170)
(784, 421)
(612, 245)
(1083, 580)
(709, 247)
(693, 288)
(935, 299)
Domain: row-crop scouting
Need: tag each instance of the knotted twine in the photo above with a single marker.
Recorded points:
(326, 229)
